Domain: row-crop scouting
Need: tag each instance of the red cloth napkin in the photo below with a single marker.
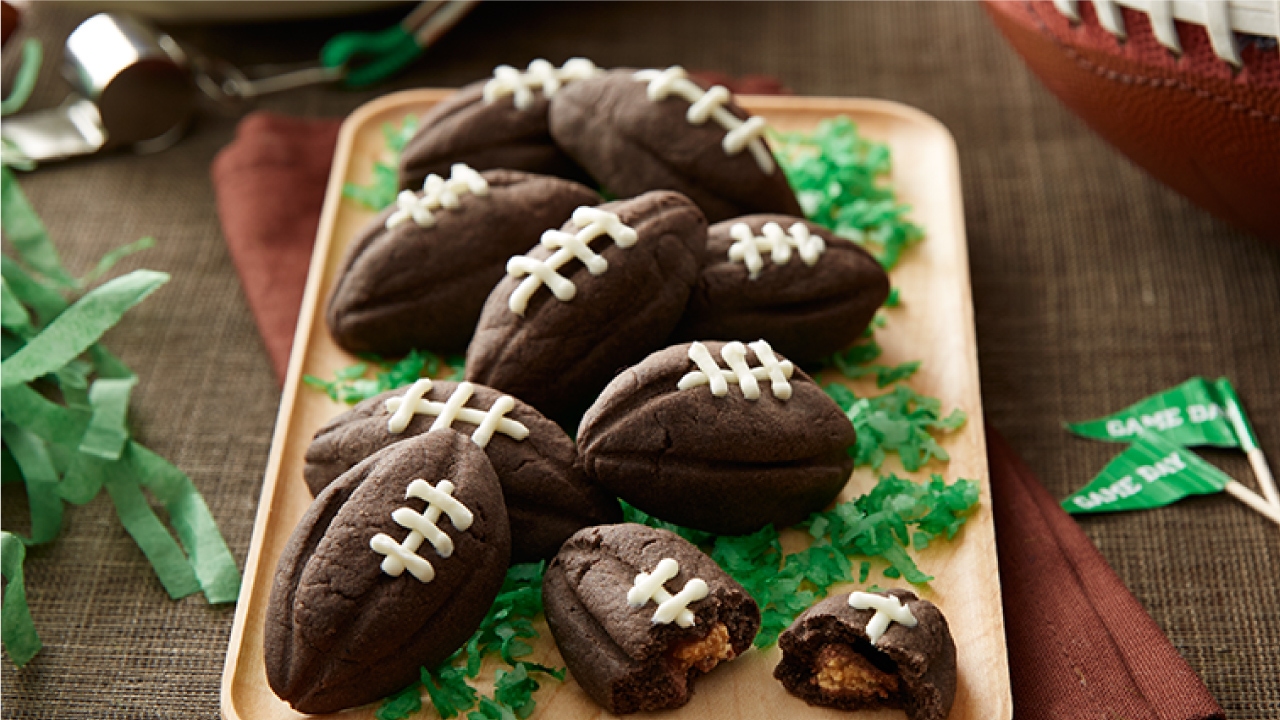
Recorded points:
(1081, 647)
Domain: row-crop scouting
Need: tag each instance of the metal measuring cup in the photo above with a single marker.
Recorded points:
(132, 86)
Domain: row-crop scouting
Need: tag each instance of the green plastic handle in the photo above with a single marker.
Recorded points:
(384, 53)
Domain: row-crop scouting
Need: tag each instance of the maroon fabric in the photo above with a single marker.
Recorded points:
(1080, 644)
(270, 184)
(1081, 647)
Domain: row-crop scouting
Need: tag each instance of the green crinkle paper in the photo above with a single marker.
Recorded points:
(65, 404)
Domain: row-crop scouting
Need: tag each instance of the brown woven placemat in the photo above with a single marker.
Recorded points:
(1094, 286)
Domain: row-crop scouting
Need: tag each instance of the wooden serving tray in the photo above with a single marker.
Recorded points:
(934, 324)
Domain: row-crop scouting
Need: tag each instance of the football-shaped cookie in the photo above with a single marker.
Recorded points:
(717, 436)
(418, 274)
(638, 613)
(547, 496)
(590, 299)
(392, 568)
(499, 122)
(636, 131)
(796, 284)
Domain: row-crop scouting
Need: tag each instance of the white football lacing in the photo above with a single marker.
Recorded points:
(710, 104)
(446, 413)
(592, 223)
(741, 374)
(437, 193)
(649, 587)
(404, 555)
(888, 609)
(777, 243)
(1221, 20)
(541, 75)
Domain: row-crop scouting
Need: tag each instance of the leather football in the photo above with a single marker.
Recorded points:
(719, 437)
(392, 568)
(1167, 94)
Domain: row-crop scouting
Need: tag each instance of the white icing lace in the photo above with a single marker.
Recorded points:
(710, 104)
(593, 222)
(541, 75)
(402, 556)
(741, 374)
(649, 587)
(437, 193)
(446, 413)
(888, 609)
(778, 244)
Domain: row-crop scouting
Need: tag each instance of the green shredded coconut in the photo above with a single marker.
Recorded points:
(351, 384)
(839, 179)
(895, 515)
(506, 631)
(899, 421)
(382, 190)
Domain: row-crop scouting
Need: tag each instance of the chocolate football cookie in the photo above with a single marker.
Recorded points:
(722, 437)
(636, 131)
(792, 282)
(498, 122)
(592, 298)
(418, 274)
(547, 497)
(392, 568)
(638, 613)
(867, 650)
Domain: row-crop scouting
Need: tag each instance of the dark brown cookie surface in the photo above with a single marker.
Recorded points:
(632, 144)
(565, 339)
(547, 497)
(605, 626)
(829, 658)
(794, 283)
(360, 602)
(414, 286)
(505, 127)
(708, 457)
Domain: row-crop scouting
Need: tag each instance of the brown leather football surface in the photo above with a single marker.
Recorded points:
(1208, 130)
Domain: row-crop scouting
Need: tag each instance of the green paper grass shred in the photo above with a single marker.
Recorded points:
(382, 190)
(70, 438)
(17, 629)
(506, 632)
(351, 384)
(79, 326)
(25, 81)
(840, 180)
(896, 514)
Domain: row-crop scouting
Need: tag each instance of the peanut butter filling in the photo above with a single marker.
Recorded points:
(704, 653)
(841, 671)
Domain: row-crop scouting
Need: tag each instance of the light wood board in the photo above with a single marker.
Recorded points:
(934, 325)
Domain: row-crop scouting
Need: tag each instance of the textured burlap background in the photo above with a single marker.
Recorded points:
(1094, 286)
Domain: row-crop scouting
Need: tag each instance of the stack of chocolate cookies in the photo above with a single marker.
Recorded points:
(633, 315)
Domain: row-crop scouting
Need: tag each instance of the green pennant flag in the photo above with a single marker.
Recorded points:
(1152, 473)
(1190, 414)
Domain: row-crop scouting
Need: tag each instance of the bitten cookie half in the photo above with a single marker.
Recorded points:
(638, 613)
(867, 650)
(547, 496)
